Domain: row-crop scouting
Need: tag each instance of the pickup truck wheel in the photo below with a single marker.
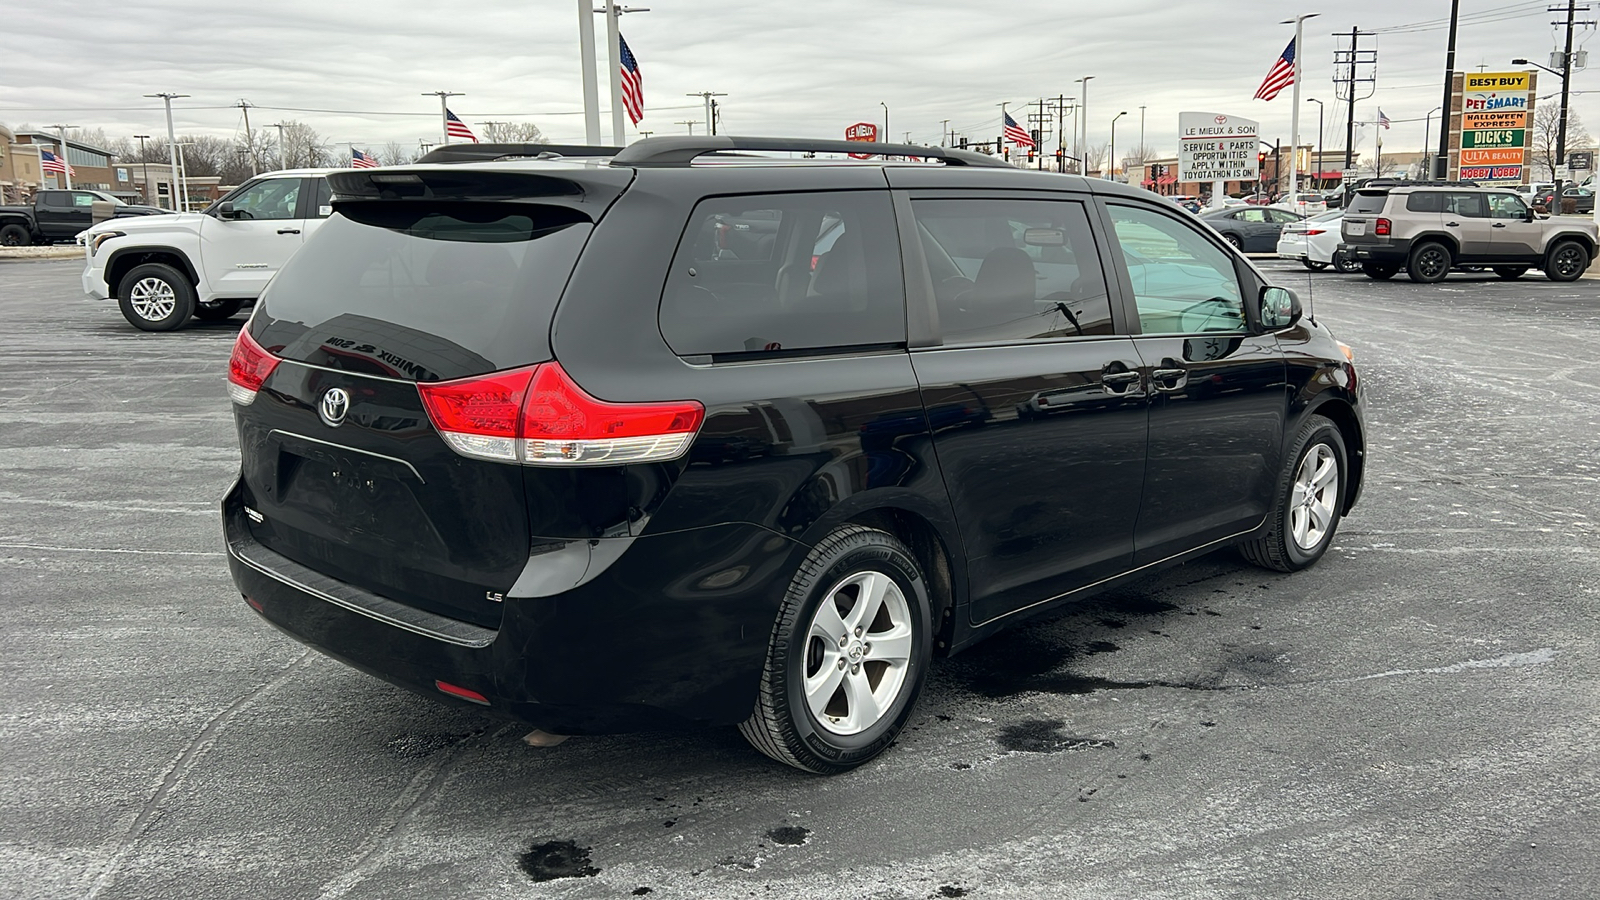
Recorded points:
(1429, 262)
(1379, 271)
(1568, 261)
(217, 310)
(15, 236)
(847, 656)
(155, 297)
(1510, 273)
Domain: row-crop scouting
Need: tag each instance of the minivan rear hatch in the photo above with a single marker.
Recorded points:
(421, 277)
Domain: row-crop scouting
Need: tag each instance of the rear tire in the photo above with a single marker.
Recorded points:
(217, 310)
(848, 654)
(1567, 261)
(156, 297)
(1379, 271)
(1428, 263)
(1310, 501)
(15, 236)
(1345, 263)
(1510, 273)
(1234, 241)
(1313, 265)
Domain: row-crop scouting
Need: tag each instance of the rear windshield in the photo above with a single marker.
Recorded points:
(1367, 201)
(423, 291)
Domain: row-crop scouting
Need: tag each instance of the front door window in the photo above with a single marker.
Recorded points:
(1182, 283)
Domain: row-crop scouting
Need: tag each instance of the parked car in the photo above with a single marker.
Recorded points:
(59, 216)
(1430, 229)
(520, 435)
(1315, 243)
(165, 269)
(1252, 229)
(1582, 200)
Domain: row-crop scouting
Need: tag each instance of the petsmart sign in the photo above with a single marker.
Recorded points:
(1217, 147)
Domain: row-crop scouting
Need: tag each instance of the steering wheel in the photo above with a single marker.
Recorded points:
(1200, 315)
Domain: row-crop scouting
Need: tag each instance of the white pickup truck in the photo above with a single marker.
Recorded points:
(164, 269)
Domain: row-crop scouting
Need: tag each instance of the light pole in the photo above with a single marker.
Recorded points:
(591, 88)
(885, 120)
(1319, 136)
(444, 110)
(181, 203)
(613, 12)
(1111, 155)
(1561, 130)
(711, 115)
(66, 171)
(1294, 116)
(144, 162)
(283, 148)
(1426, 121)
(1083, 101)
(1141, 130)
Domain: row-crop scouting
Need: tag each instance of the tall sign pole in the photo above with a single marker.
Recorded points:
(1294, 114)
(591, 88)
(181, 203)
(1441, 166)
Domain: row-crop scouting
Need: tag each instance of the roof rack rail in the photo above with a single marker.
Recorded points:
(682, 151)
(1375, 183)
(460, 153)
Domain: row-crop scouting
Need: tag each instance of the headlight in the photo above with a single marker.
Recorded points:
(96, 240)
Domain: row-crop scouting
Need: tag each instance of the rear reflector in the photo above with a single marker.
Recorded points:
(539, 416)
(463, 693)
(254, 603)
(248, 368)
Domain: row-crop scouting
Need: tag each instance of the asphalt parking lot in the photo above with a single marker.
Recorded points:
(1417, 716)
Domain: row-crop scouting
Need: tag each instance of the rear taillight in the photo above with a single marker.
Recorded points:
(539, 416)
(248, 368)
(1313, 231)
(1382, 227)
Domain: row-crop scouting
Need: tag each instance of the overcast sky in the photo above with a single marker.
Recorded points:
(789, 68)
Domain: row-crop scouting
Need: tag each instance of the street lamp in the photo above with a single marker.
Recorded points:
(885, 119)
(1319, 140)
(1561, 130)
(144, 163)
(1111, 155)
(1083, 101)
(1427, 120)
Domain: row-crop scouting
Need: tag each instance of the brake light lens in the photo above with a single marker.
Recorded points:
(1314, 231)
(539, 416)
(1382, 227)
(248, 368)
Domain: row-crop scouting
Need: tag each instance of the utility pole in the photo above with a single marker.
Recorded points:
(1083, 101)
(1141, 132)
(1348, 82)
(944, 131)
(1318, 176)
(1441, 166)
(66, 167)
(1566, 79)
(711, 114)
(249, 138)
(144, 161)
(1042, 119)
(613, 12)
(689, 122)
(283, 148)
(179, 204)
(1061, 129)
(591, 88)
(444, 109)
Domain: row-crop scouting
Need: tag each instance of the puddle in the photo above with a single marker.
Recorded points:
(557, 859)
(1044, 736)
(950, 890)
(789, 835)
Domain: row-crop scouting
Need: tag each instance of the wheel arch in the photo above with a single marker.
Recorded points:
(1578, 236)
(1435, 237)
(124, 259)
(1342, 413)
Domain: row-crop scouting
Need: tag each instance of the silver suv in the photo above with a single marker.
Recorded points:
(1430, 229)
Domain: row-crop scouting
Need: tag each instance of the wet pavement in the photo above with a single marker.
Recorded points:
(1417, 716)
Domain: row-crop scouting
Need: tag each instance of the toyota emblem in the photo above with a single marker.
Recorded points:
(335, 403)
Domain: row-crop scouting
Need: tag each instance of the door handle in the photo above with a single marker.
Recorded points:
(1117, 381)
(1452, 224)
(288, 231)
(1499, 224)
(1169, 376)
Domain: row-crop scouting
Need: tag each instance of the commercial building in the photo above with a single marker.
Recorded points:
(93, 167)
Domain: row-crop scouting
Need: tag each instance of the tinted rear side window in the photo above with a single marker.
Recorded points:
(424, 291)
(1368, 201)
(782, 273)
(1426, 201)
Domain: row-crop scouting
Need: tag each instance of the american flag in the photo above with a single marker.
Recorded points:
(454, 127)
(632, 84)
(49, 162)
(1281, 75)
(1015, 134)
(1383, 119)
(359, 160)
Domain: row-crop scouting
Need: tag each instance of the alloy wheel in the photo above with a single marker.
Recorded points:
(1432, 263)
(858, 651)
(1568, 262)
(152, 299)
(1316, 491)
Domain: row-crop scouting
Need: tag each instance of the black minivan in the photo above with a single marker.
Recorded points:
(703, 432)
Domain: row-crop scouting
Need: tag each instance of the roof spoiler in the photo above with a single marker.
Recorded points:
(463, 153)
(682, 151)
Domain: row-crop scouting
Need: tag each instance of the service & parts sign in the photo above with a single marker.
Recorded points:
(1217, 147)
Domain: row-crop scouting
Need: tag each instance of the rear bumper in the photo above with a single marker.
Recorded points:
(1391, 253)
(671, 632)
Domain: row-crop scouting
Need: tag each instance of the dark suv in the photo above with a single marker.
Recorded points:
(680, 436)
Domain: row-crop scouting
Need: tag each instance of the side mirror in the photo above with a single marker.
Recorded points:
(225, 210)
(1529, 214)
(1279, 308)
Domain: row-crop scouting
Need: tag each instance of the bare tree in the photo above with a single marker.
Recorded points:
(513, 133)
(1094, 157)
(302, 148)
(1545, 133)
(395, 153)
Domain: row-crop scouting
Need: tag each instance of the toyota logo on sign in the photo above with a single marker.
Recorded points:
(335, 403)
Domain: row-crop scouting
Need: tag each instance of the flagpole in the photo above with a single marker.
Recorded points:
(1294, 114)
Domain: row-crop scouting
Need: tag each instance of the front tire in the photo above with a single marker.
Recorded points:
(155, 297)
(848, 654)
(1568, 261)
(1313, 265)
(217, 310)
(1428, 263)
(1310, 501)
(15, 236)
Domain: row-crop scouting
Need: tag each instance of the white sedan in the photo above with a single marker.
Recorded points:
(1315, 243)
